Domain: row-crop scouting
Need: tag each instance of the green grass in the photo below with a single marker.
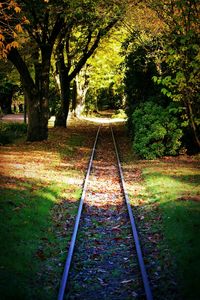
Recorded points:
(72, 144)
(28, 241)
(25, 221)
(172, 187)
(37, 215)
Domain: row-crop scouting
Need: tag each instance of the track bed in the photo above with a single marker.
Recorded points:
(105, 264)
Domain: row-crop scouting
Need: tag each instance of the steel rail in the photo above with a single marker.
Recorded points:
(145, 279)
(73, 239)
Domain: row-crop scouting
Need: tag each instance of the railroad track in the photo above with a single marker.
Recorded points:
(102, 264)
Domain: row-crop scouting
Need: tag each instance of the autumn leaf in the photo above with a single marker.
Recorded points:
(15, 35)
(19, 28)
(17, 9)
(2, 38)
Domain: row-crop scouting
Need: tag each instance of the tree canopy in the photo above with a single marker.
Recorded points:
(139, 50)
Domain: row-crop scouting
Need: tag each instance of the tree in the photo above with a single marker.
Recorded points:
(45, 23)
(106, 72)
(84, 29)
(181, 79)
(173, 60)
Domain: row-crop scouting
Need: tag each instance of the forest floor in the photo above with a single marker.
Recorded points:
(41, 185)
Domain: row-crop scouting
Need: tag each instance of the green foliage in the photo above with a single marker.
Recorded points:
(104, 98)
(180, 81)
(166, 67)
(106, 71)
(90, 101)
(156, 131)
(119, 114)
(109, 98)
(10, 131)
(141, 67)
(54, 99)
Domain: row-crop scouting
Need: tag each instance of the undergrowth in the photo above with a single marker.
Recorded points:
(10, 131)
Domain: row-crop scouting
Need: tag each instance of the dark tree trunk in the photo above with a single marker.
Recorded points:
(193, 124)
(9, 102)
(36, 93)
(25, 109)
(74, 97)
(36, 132)
(6, 101)
(61, 116)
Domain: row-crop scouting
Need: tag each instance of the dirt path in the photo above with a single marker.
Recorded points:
(19, 118)
(105, 265)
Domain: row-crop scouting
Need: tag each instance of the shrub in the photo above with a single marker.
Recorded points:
(156, 130)
(10, 131)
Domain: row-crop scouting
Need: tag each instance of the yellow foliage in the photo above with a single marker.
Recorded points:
(25, 20)
(14, 44)
(2, 38)
(19, 28)
(15, 35)
(17, 9)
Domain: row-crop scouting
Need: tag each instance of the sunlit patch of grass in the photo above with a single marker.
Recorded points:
(76, 141)
(119, 114)
(166, 185)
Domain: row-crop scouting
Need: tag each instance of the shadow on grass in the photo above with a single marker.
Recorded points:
(181, 222)
(26, 235)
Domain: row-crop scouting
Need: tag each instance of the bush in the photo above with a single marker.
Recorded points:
(119, 114)
(10, 131)
(156, 130)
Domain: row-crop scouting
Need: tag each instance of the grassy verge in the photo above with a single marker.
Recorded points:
(25, 222)
(41, 184)
(165, 196)
(174, 186)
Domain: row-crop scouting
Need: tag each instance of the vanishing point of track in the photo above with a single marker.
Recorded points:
(144, 276)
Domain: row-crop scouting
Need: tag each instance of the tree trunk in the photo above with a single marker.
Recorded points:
(62, 115)
(36, 130)
(25, 108)
(80, 88)
(192, 124)
(44, 92)
(37, 94)
(74, 97)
